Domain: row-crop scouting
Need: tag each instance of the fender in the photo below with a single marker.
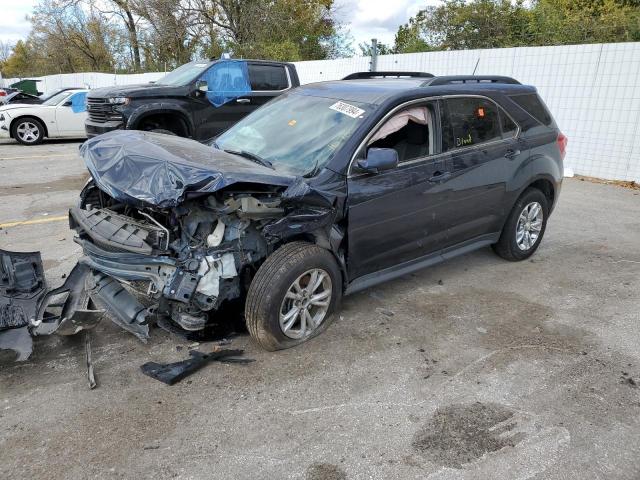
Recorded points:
(44, 124)
(539, 166)
(160, 107)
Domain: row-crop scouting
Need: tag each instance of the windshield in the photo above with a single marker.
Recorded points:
(298, 134)
(184, 74)
(57, 98)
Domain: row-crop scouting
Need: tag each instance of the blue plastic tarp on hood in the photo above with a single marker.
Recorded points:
(79, 102)
(153, 169)
(226, 81)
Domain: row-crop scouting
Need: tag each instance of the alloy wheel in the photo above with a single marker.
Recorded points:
(529, 226)
(28, 132)
(306, 303)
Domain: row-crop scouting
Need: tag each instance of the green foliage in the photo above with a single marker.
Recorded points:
(459, 24)
(134, 35)
(366, 49)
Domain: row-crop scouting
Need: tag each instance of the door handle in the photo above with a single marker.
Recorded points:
(243, 100)
(439, 176)
(511, 153)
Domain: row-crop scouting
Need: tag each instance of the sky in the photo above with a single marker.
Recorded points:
(366, 19)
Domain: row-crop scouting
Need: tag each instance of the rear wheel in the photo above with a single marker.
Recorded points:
(28, 131)
(525, 226)
(293, 296)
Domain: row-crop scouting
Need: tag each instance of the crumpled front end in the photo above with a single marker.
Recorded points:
(172, 253)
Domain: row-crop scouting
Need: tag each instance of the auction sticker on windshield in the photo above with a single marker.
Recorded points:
(350, 110)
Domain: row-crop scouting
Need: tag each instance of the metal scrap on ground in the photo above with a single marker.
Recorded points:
(171, 373)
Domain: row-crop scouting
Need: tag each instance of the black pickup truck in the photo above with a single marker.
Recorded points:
(198, 100)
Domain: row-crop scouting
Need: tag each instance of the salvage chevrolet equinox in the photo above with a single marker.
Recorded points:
(329, 189)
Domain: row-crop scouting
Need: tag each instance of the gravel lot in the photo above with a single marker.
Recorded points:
(477, 368)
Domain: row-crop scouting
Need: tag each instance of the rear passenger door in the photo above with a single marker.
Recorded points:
(267, 82)
(483, 154)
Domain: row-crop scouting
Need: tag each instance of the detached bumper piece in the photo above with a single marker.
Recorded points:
(125, 310)
(28, 309)
(172, 373)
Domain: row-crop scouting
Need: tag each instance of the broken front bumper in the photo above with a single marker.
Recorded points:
(28, 308)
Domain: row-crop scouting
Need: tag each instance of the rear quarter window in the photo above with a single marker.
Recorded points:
(532, 104)
(267, 77)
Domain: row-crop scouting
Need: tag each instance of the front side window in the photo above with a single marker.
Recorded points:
(184, 74)
(267, 77)
(57, 98)
(469, 121)
(297, 134)
(409, 132)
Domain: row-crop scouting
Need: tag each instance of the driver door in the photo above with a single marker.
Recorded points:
(71, 114)
(396, 216)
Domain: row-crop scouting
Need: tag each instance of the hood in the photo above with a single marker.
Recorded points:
(153, 169)
(8, 107)
(136, 91)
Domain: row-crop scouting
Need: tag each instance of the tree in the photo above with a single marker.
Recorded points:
(19, 62)
(134, 35)
(366, 49)
(124, 10)
(459, 24)
(278, 29)
(557, 22)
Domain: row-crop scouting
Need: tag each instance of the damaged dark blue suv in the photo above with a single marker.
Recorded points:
(328, 189)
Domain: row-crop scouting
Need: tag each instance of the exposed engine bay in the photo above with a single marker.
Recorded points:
(186, 260)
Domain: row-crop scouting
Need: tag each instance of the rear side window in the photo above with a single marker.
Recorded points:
(267, 77)
(532, 104)
(469, 121)
(509, 128)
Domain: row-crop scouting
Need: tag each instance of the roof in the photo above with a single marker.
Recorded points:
(378, 90)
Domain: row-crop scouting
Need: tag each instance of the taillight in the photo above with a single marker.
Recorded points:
(3, 93)
(562, 144)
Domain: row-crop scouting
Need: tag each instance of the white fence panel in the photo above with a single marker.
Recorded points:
(593, 92)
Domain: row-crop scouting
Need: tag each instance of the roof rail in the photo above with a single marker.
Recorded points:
(363, 75)
(453, 79)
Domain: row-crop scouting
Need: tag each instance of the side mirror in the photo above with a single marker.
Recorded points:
(67, 103)
(379, 160)
(202, 86)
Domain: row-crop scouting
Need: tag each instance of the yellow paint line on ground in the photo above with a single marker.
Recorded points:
(39, 156)
(34, 222)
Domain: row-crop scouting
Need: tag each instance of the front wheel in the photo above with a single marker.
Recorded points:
(525, 226)
(293, 296)
(28, 131)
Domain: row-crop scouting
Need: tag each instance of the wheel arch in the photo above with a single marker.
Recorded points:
(322, 240)
(35, 117)
(148, 111)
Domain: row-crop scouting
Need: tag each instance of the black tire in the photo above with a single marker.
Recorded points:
(507, 247)
(26, 121)
(271, 283)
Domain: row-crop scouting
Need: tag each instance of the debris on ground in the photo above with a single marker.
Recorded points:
(628, 380)
(618, 183)
(87, 348)
(386, 312)
(172, 373)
